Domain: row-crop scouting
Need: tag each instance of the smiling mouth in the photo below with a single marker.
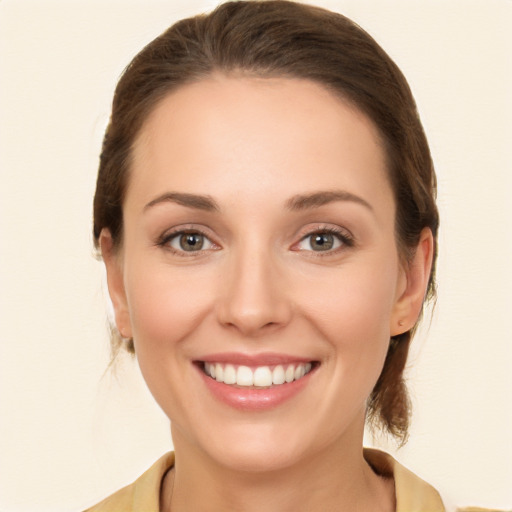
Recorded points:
(259, 376)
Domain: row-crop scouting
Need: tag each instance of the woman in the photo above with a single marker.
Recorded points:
(265, 208)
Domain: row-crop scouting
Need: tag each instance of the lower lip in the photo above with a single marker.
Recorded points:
(254, 399)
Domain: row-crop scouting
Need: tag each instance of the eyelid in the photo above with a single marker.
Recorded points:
(165, 238)
(343, 235)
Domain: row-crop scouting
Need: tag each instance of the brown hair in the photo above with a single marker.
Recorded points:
(286, 39)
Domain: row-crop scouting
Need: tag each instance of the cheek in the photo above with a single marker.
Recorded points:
(353, 302)
(352, 311)
(165, 306)
(167, 309)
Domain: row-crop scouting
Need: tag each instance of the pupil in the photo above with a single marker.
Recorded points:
(191, 242)
(323, 242)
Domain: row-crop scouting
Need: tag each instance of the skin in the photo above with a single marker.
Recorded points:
(258, 285)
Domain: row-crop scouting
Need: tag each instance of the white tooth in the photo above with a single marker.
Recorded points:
(219, 372)
(308, 367)
(212, 370)
(262, 376)
(244, 376)
(290, 373)
(278, 375)
(299, 371)
(229, 374)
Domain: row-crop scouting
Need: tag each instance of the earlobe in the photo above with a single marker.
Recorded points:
(417, 274)
(115, 281)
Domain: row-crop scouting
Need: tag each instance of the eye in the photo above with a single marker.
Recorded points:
(324, 241)
(189, 241)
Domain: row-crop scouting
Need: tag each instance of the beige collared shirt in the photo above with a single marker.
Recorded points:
(412, 493)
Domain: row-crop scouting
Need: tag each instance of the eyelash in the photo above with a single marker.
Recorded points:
(165, 239)
(342, 236)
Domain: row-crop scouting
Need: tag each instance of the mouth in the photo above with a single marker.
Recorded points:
(257, 377)
(256, 382)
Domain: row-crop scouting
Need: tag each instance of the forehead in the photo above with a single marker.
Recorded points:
(251, 134)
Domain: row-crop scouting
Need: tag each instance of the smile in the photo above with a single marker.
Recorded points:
(259, 376)
(257, 382)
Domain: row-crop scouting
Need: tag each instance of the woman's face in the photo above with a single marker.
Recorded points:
(259, 240)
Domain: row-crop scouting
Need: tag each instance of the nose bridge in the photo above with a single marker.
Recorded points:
(253, 297)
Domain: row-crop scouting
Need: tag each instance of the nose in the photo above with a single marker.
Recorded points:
(254, 298)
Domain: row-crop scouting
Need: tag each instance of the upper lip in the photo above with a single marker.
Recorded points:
(263, 359)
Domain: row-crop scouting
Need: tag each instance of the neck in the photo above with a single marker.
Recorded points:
(336, 479)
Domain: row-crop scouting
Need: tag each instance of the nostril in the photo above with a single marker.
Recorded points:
(252, 300)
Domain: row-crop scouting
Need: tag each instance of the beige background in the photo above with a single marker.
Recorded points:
(71, 433)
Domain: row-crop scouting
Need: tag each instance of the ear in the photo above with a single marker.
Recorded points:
(413, 286)
(115, 280)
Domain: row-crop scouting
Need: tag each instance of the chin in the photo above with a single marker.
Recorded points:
(255, 448)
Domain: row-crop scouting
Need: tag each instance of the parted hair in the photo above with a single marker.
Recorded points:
(279, 38)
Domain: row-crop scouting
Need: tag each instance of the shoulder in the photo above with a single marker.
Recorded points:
(121, 500)
(143, 494)
(412, 493)
(478, 509)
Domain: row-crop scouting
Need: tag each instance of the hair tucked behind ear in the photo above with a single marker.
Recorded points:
(285, 39)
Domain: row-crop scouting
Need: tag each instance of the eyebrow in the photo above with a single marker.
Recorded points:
(296, 203)
(317, 199)
(199, 202)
